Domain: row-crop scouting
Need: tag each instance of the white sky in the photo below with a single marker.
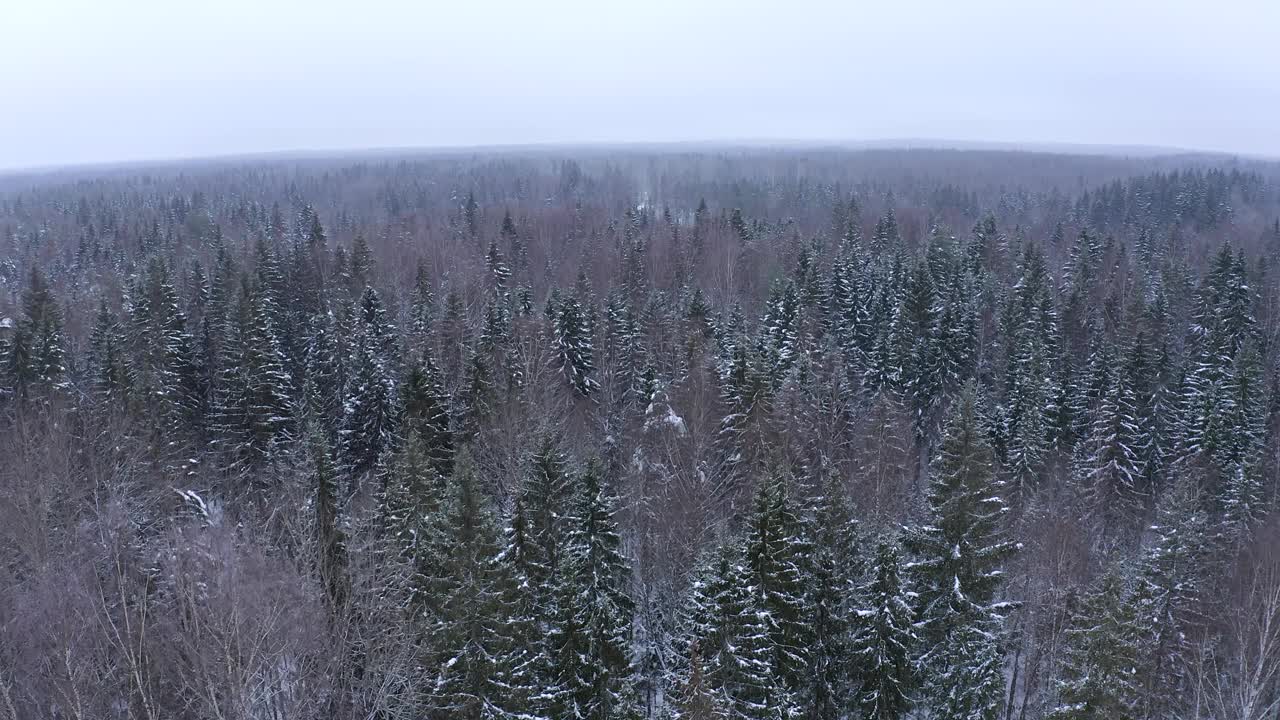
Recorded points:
(104, 80)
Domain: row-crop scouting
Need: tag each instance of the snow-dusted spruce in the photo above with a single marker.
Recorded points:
(885, 644)
(959, 569)
(573, 344)
(1099, 674)
(590, 633)
(369, 404)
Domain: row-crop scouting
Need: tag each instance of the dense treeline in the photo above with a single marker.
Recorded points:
(642, 434)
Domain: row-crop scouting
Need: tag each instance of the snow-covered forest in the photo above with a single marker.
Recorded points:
(640, 433)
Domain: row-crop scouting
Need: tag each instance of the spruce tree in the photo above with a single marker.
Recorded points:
(920, 361)
(1111, 474)
(725, 628)
(325, 376)
(108, 372)
(963, 541)
(777, 556)
(330, 538)
(960, 555)
(262, 396)
(1098, 678)
(1170, 584)
(369, 412)
(163, 368)
(695, 699)
(38, 354)
(524, 667)
(1030, 328)
(545, 498)
(833, 575)
(425, 412)
(591, 634)
(467, 630)
(572, 334)
(884, 644)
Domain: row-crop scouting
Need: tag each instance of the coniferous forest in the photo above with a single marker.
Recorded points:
(684, 433)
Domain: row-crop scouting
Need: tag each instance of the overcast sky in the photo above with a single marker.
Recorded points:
(105, 80)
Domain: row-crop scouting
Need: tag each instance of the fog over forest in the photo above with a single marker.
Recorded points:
(87, 81)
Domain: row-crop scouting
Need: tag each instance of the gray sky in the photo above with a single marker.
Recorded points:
(104, 80)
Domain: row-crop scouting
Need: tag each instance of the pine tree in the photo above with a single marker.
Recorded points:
(885, 644)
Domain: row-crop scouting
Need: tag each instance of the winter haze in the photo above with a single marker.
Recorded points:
(86, 81)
